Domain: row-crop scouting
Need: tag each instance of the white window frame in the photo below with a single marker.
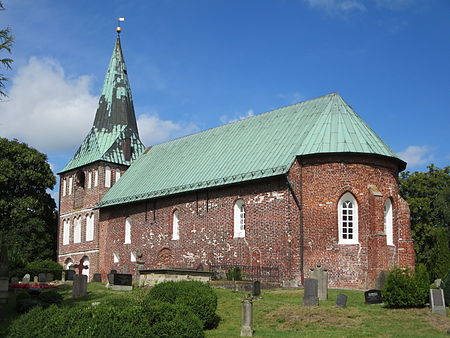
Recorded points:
(117, 175)
(388, 222)
(66, 232)
(239, 219)
(127, 231)
(89, 185)
(95, 177)
(107, 177)
(64, 187)
(90, 227)
(348, 219)
(70, 185)
(77, 230)
(115, 257)
(175, 226)
(132, 257)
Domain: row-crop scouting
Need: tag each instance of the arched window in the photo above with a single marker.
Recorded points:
(127, 231)
(388, 230)
(90, 227)
(64, 187)
(70, 185)
(89, 180)
(107, 177)
(175, 226)
(95, 177)
(239, 219)
(117, 174)
(68, 263)
(348, 219)
(77, 230)
(66, 231)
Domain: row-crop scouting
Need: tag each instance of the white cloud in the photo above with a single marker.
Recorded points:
(417, 155)
(337, 7)
(153, 130)
(47, 109)
(237, 117)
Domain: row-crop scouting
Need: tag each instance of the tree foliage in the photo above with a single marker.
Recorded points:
(428, 195)
(27, 212)
(6, 42)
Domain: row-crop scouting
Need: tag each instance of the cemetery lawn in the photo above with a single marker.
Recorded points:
(278, 313)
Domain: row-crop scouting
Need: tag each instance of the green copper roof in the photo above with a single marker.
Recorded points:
(260, 146)
(114, 122)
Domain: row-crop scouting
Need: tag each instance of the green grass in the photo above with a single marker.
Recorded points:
(279, 313)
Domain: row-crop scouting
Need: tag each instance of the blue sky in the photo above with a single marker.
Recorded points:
(201, 63)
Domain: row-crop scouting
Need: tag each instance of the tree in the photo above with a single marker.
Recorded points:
(428, 195)
(6, 41)
(28, 218)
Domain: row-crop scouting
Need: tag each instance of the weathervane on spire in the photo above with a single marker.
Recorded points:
(119, 29)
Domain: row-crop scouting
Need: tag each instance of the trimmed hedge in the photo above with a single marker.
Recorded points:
(151, 320)
(25, 300)
(403, 288)
(198, 296)
(41, 266)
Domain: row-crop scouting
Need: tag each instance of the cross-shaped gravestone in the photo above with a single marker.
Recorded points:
(79, 288)
(81, 267)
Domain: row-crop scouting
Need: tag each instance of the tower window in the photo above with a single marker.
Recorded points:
(127, 231)
(66, 231)
(348, 219)
(117, 174)
(89, 184)
(175, 226)
(388, 222)
(95, 177)
(64, 187)
(239, 219)
(90, 227)
(107, 177)
(70, 185)
(77, 230)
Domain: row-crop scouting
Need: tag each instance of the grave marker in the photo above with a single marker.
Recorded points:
(42, 278)
(97, 277)
(247, 317)
(437, 302)
(256, 288)
(122, 281)
(49, 277)
(26, 278)
(373, 297)
(35, 279)
(79, 288)
(70, 274)
(310, 296)
(341, 301)
(14, 280)
(321, 275)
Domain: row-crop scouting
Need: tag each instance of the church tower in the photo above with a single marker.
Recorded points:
(108, 150)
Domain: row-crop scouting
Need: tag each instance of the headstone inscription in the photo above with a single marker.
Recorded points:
(321, 275)
(310, 296)
(122, 281)
(373, 297)
(341, 300)
(247, 317)
(42, 278)
(14, 280)
(437, 302)
(256, 288)
(97, 277)
(26, 278)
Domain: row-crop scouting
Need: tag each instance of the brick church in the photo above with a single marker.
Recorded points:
(275, 193)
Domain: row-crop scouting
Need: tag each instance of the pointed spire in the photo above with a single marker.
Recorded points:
(114, 136)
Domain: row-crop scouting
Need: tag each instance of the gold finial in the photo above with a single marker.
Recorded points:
(119, 29)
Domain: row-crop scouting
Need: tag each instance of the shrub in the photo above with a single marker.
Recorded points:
(197, 296)
(404, 289)
(25, 300)
(423, 283)
(46, 266)
(234, 273)
(154, 320)
(445, 285)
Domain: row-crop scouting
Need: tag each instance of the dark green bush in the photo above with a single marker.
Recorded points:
(234, 273)
(46, 266)
(153, 320)
(198, 296)
(404, 289)
(422, 278)
(445, 285)
(50, 297)
(25, 300)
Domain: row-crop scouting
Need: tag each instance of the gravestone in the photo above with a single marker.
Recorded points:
(437, 302)
(247, 317)
(379, 281)
(437, 283)
(79, 288)
(14, 280)
(341, 300)
(42, 278)
(63, 276)
(122, 281)
(70, 274)
(35, 279)
(113, 271)
(373, 297)
(49, 277)
(97, 277)
(310, 296)
(256, 288)
(321, 275)
(26, 278)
